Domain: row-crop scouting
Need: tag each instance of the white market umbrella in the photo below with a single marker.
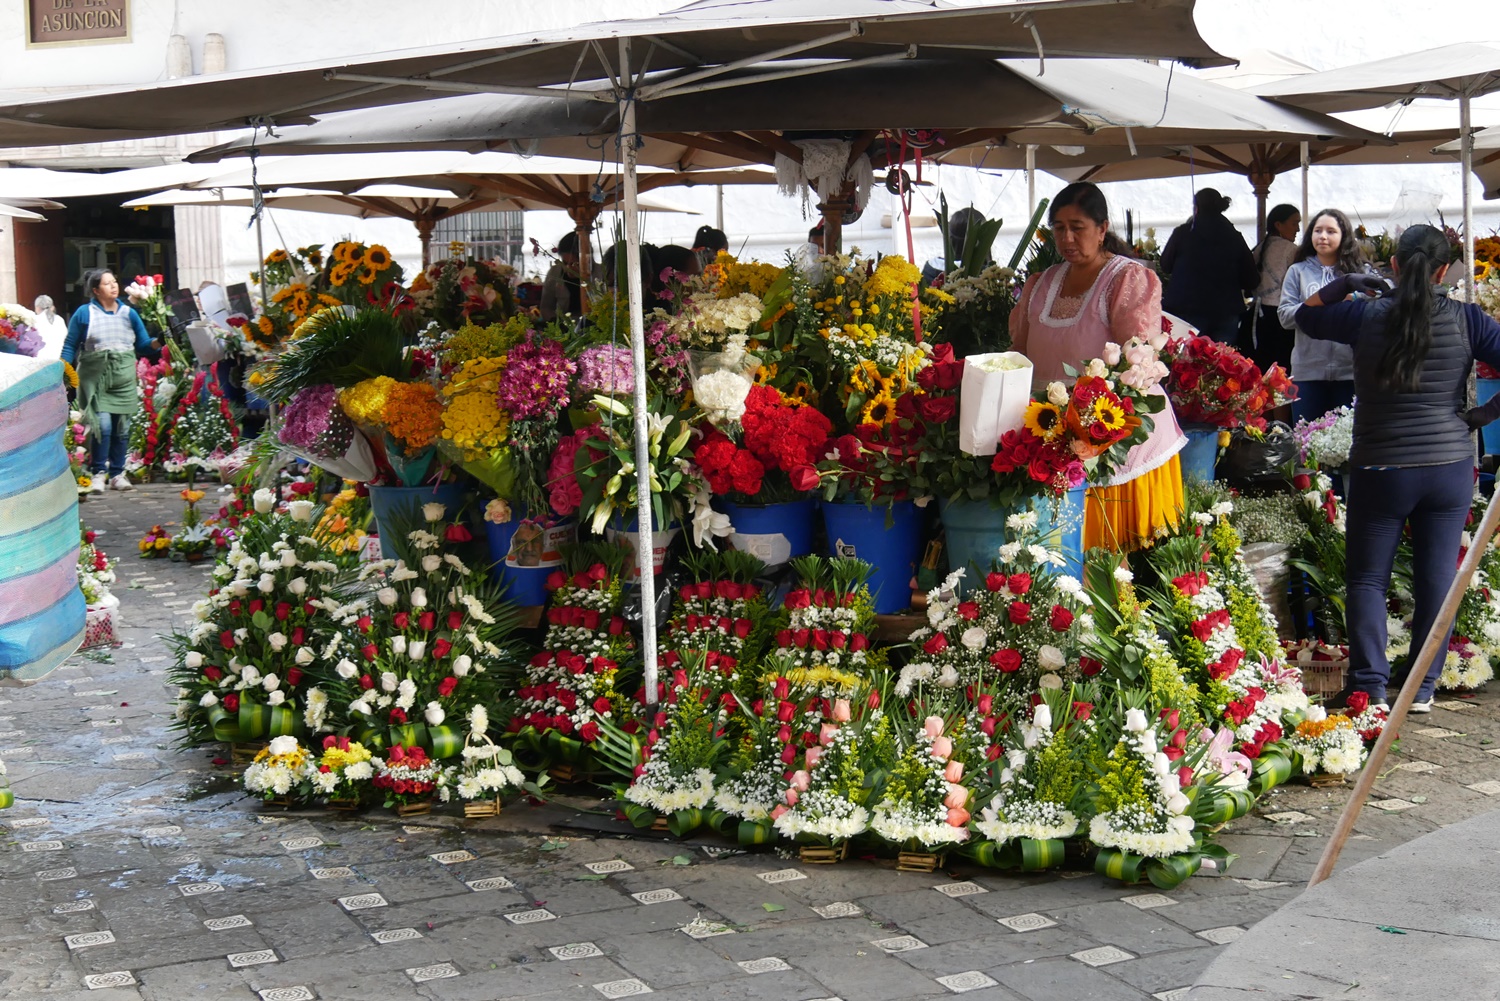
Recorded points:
(16, 212)
(1487, 165)
(1463, 71)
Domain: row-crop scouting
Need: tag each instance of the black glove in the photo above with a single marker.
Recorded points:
(1339, 289)
(1478, 417)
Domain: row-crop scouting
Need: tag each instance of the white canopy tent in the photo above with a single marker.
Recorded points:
(1487, 166)
(1463, 71)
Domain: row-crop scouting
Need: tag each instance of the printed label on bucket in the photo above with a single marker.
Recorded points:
(842, 548)
(536, 545)
(369, 549)
(662, 542)
(771, 550)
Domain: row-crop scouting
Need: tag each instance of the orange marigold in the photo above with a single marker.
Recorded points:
(414, 417)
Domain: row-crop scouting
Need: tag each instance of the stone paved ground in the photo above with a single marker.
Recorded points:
(131, 869)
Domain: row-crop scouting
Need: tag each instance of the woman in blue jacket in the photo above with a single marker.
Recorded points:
(104, 338)
(1412, 462)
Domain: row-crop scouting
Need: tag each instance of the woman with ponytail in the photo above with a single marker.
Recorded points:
(1412, 462)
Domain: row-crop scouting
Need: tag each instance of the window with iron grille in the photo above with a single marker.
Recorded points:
(498, 236)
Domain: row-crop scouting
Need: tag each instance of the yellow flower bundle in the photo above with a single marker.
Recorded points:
(473, 420)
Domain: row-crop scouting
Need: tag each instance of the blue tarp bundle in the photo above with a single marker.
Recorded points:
(41, 607)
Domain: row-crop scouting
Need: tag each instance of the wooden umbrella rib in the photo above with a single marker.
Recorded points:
(728, 144)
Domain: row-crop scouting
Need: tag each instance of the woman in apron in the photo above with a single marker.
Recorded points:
(104, 338)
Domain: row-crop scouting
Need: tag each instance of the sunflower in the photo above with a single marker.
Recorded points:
(881, 409)
(1044, 420)
(324, 299)
(266, 328)
(802, 395)
(367, 275)
(276, 256)
(70, 376)
(346, 252)
(378, 258)
(1482, 270)
(764, 374)
(1109, 413)
(341, 273)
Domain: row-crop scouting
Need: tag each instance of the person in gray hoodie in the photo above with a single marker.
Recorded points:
(1322, 370)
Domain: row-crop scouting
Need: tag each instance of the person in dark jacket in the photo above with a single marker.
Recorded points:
(1211, 270)
(1412, 462)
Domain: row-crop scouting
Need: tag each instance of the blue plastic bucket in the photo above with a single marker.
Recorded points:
(1489, 436)
(855, 530)
(975, 531)
(406, 502)
(525, 551)
(1200, 454)
(772, 533)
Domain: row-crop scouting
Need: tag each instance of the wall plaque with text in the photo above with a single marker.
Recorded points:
(74, 22)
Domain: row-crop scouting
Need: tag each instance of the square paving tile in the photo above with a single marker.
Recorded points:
(838, 909)
(1453, 704)
(1102, 956)
(782, 876)
(224, 924)
(332, 872)
(576, 950)
(531, 917)
(49, 875)
(1222, 936)
(1146, 901)
(42, 846)
(492, 883)
(100, 981)
(971, 980)
(901, 943)
(661, 896)
(1420, 767)
(1437, 732)
(438, 971)
(622, 988)
(605, 868)
(238, 959)
(198, 889)
(1175, 994)
(84, 940)
(1488, 788)
(298, 993)
(1259, 884)
(362, 902)
(962, 889)
(167, 831)
(1027, 922)
(301, 844)
(452, 858)
(769, 964)
(394, 935)
(74, 907)
(1287, 817)
(1392, 805)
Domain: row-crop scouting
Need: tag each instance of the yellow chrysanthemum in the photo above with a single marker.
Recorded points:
(880, 409)
(1044, 420)
(894, 275)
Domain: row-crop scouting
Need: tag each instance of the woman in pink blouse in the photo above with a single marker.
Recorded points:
(1065, 316)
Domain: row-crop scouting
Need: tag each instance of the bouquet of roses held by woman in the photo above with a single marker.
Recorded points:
(1086, 432)
(1211, 383)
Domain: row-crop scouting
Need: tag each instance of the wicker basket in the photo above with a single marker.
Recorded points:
(822, 854)
(414, 809)
(918, 861)
(476, 809)
(1323, 667)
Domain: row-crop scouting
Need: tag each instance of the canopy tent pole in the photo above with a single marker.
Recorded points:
(1031, 179)
(645, 542)
(425, 221)
(1306, 163)
(1466, 167)
(719, 207)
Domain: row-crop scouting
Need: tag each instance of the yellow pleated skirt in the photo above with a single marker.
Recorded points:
(1127, 517)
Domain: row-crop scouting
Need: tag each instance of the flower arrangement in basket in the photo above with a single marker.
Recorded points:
(569, 688)
(720, 609)
(342, 773)
(253, 664)
(1141, 807)
(154, 543)
(680, 754)
(410, 779)
(280, 769)
(1033, 785)
(487, 770)
(923, 807)
(1027, 627)
(1335, 743)
(151, 427)
(96, 572)
(823, 803)
(75, 439)
(1211, 383)
(18, 333)
(195, 539)
(425, 647)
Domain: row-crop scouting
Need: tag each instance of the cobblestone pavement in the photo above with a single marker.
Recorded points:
(131, 869)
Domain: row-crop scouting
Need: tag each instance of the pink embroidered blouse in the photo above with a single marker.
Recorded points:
(1054, 330)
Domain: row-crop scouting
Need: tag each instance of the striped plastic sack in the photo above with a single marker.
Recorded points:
(42, 611)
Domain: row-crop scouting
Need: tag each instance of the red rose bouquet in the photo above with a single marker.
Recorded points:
(1211, 383)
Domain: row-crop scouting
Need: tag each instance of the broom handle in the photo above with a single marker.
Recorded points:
(1477, 547)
